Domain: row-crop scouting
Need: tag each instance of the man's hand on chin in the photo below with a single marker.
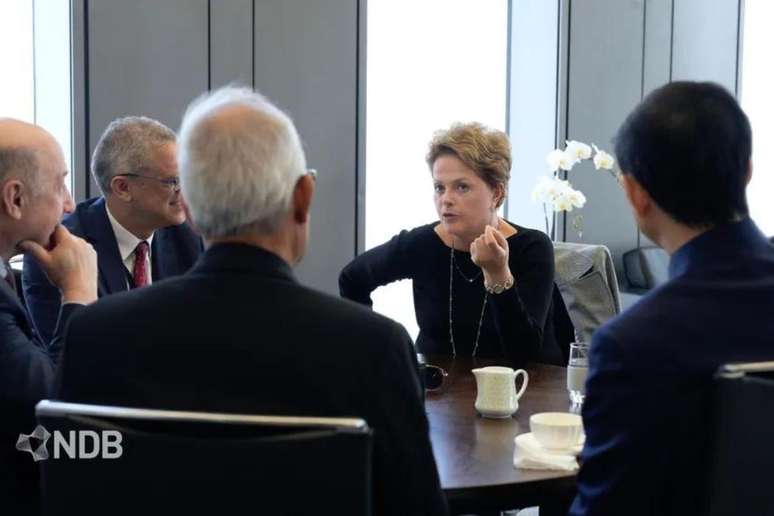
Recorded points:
(69, 262)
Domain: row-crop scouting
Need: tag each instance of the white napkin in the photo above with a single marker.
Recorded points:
(529, 454)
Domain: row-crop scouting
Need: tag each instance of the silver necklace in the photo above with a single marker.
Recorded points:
(452, 266)
(456, 266)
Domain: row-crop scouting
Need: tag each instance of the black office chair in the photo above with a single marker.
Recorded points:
(192, 463)
(645, 268)
(741, 454)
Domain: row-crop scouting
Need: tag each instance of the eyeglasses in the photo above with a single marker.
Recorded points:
(434, 377)
(173, 183)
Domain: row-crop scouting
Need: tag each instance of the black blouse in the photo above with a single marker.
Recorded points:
(515, 323)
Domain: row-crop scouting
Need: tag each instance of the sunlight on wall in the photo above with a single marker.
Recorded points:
(758, 103)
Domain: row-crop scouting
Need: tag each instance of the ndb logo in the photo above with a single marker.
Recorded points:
(81, 444)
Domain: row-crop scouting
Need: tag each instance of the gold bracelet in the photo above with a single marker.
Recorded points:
(499, 288)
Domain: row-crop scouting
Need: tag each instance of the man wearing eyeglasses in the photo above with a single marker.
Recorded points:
(137, 226)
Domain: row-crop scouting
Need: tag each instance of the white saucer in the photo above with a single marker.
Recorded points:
(528, 442)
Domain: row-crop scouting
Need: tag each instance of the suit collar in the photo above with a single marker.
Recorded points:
(12, 295)
(243, 259)
(126, 240)
(99, 232)
(14, 303)
(718, 245)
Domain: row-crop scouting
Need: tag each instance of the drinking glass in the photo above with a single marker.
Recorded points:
(577, 370)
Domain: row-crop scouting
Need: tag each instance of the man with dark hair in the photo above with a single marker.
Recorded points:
(138, 225)
(685, 157)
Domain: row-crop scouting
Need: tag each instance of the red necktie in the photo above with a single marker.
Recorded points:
(140, 265)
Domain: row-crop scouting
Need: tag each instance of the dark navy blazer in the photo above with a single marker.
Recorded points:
(26, 376)
(651, 369)
(173, 251)
(239, 334)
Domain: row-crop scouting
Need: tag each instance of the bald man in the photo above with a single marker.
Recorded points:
(33, 198)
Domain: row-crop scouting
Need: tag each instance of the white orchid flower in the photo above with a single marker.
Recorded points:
(577, 199)
(578, 150)
(558, 159)
(562, 203)
(568, 161)
(540, 192)
(557, 189)
(602, 160)
(554, 160)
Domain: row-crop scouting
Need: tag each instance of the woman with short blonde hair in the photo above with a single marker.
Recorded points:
(485, 151)
(482, 285)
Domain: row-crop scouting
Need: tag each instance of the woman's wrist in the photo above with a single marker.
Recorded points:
(497, 277)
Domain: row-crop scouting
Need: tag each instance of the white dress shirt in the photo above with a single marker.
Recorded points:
(127, 243)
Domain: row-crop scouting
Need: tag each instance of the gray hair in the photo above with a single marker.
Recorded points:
(238, 177)
(23, 162)
(128, 146)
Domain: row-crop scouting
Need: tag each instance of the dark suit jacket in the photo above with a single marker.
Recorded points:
(239, 334)
(647, 396)
(174, 250)
(26, 376)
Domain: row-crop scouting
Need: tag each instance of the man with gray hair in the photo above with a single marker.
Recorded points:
(239, 330)
(33, 198)
(137, 226)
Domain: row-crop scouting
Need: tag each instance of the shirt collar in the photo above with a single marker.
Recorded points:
(718, 245)
(127, 242)
(242, 258)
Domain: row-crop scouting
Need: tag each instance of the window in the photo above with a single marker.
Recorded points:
(757, 85)
(17, 91)
(35, 58)
(430, 63)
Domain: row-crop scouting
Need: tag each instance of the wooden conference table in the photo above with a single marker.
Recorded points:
(475, 455)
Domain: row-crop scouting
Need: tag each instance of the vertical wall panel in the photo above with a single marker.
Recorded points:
(79, 85)
(231, 42)
(362, 52)
(306, 62)
(657, 55)
(562, 90)
(705, 41)
(658, 44)
(145, 57)
(605, 83)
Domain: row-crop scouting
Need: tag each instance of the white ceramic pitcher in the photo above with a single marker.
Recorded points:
(496, 390)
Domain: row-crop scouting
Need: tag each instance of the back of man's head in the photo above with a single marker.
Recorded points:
(20, 144)
(688, 144)
(20, 163)
(240, 158)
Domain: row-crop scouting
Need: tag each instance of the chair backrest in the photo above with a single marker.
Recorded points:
(174, 462)
(741, 454)
(645, 268)
(587, 281)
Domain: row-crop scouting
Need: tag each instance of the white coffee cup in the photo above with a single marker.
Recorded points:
(556, 430)
(496, 390)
